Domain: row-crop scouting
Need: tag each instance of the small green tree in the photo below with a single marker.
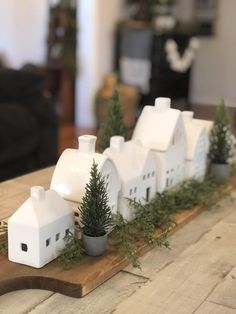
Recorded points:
(221, 139)
(113, 125)
(96, 214)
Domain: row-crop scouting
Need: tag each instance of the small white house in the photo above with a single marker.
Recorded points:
(72, 172)
(36, 230)
(197, 146)
(161, 129)
(137, 169)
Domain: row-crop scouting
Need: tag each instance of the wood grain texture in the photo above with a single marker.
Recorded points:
(86, 275)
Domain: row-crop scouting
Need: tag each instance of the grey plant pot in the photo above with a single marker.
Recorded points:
(220, 171)
(95, 246)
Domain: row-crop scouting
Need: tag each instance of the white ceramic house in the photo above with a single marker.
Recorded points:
(36, 230)
(197, 147)
(161, 129)
(137, 169)
(72, 172)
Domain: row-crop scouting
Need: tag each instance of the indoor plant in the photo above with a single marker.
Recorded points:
(114, 124)
(221, 144)
(96, 214)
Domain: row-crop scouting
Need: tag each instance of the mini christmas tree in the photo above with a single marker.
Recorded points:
(221, 139)
(95, 211)
(113, 125)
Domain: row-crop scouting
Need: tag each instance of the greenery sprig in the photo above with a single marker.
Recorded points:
(158, 215)
(3, 237)
(72, 252)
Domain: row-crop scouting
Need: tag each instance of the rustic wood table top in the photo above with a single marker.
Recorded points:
(198, 275)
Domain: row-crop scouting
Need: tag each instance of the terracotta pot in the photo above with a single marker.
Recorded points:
(220, 171)
(95, 246)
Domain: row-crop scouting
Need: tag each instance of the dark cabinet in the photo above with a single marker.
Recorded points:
(163, 81)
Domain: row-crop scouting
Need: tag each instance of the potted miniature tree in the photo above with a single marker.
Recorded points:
(113, 125)
(221, 144)
(96, 214)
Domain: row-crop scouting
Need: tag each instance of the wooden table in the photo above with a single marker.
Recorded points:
(198, 275)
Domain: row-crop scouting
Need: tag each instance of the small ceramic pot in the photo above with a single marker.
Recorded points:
(220, 171)
(95, 246)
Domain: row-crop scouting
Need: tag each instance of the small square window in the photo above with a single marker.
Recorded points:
(57, 236)
(24, 247)
(76, 214)
(47, 242)
(67, 232)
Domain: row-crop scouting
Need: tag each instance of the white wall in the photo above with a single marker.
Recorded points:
(23, 30)
(214, 73)
(96, 24)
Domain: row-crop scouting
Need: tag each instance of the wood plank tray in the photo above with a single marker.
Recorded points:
(84, 276)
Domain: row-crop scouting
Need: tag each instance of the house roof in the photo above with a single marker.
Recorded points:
(40, 211)
(195, 130)
(156, 126)
(72, 173)
(129, 157)
(205, 123)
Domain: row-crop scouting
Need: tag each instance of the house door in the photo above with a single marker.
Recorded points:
(147, 194)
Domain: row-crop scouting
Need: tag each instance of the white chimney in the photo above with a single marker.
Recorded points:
(117, 142)
(87, 144)
(187, 116)
(37, 193)
(162, 104)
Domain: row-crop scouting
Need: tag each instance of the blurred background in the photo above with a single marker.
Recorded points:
(61, 60)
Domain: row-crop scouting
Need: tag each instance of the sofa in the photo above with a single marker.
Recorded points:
(28, 123)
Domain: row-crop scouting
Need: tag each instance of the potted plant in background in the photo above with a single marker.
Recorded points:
(114, 124)
(221, 144)
(96, 214)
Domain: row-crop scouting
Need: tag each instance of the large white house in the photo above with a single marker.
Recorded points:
(161, 129)
(137, 169)
(37, 229)
(72, 172)
(197, 146)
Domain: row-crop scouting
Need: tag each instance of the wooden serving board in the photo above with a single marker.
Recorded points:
(84, 276)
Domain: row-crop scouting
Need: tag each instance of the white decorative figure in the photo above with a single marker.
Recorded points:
(161, 129)
(37, 229)
(137, 169)
(72, 172)
(197, 147)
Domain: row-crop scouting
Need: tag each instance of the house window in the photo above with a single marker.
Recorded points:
(167, 182)
(47, 242)
(147, 194)
(135, 189)
(76, 214)
(67, 232)
(24, 247)
(144, 177)
(153, 173)
(130, 192)
(57, 236)
(148, 175)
